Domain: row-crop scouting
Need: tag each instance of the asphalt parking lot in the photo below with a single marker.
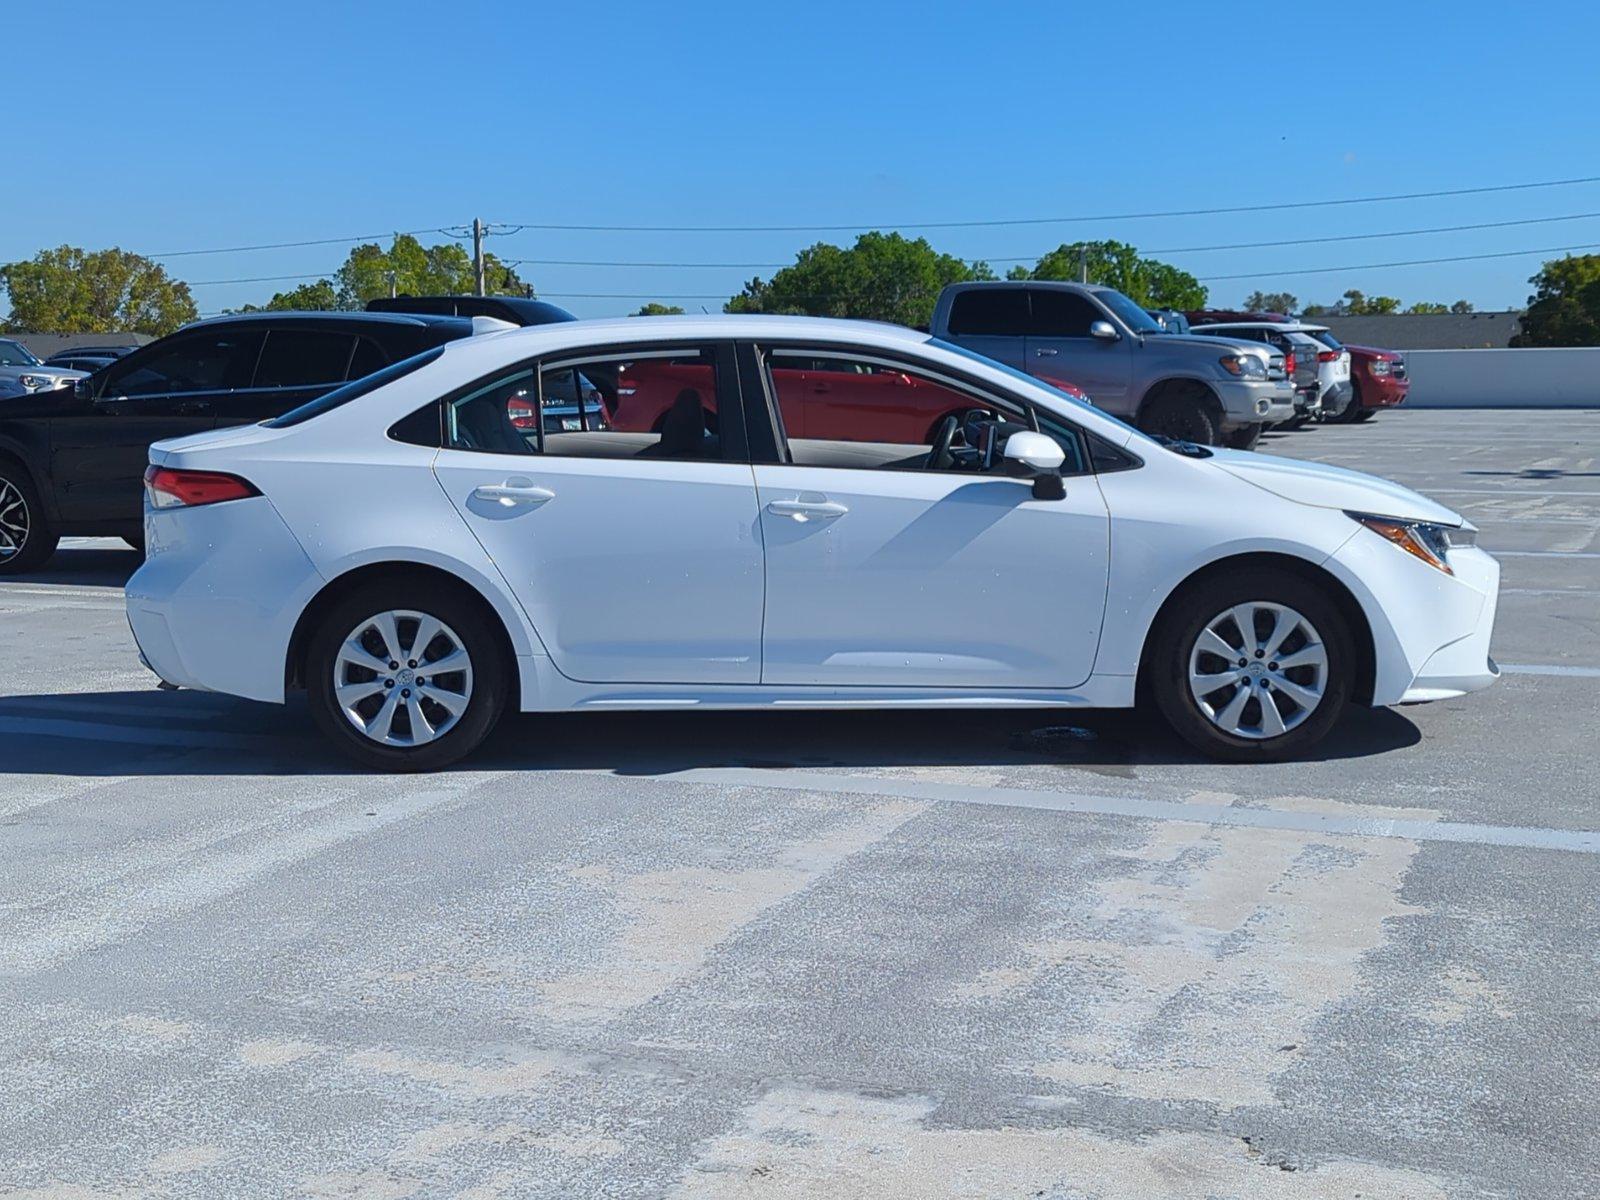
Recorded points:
(1033, 955)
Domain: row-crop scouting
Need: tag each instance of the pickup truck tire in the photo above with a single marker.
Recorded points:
(28, 536)
(1243, 438)
(1184, 412)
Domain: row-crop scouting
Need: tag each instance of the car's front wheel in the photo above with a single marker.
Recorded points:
(27, 538)
(1253, 666)
(406, 676)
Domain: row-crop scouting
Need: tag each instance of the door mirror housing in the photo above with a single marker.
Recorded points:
(83, 389)
(1034, 456)
(1105, 331)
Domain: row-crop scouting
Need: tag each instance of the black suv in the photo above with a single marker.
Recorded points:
(72, 459)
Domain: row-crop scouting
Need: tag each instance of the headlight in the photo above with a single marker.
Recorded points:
(33, 382)
(1421, 539)
(1245, 366)
(1380, 366)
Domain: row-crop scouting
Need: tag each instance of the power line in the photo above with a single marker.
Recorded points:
(1136, 216)
(364, 237)
(1413, 262)
(994, 258)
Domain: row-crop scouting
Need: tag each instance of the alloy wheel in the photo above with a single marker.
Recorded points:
(1258, 670)
(402, 678)
(13, 520)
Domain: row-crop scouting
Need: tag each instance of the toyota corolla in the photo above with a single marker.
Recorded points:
(419, 561)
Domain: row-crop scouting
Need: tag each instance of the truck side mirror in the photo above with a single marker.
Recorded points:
(1105, 331)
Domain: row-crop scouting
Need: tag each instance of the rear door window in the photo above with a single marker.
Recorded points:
(990, 312)
(1058, 314)
(198, 362)
(369, 357)
(301, 357)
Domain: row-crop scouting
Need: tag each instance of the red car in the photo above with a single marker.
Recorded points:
(820, 398)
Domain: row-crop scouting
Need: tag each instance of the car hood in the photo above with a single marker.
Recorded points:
(49, 372)
(1322, 486)
(1205, 341)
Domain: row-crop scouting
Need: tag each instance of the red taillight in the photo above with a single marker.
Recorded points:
(189, 489)
(1288, 362)
(1327, 356)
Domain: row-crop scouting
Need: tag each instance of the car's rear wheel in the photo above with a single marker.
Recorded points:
(1353, 411)
(1183, 414)
(27, 538)
(406, 676)
(1253, 666)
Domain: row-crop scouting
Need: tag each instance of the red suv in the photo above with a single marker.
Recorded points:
(1379, 376)
(820, 398)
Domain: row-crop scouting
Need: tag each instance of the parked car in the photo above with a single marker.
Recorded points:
(418, 565)
(88, 358)
(22, 373)
(1377, 377)
(1169, 319)
(73, 456)
(1379, 380)
(1208, 390)
(1322, 367)
(517, 310)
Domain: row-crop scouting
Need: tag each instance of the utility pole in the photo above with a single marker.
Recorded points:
(1083, 264)
(477, 253)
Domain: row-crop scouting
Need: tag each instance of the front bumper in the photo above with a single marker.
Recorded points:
(1256, 401)
(1384, 391)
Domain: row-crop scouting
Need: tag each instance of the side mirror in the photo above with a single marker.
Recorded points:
(1105, 331)
(1034, 456)
(83, 389)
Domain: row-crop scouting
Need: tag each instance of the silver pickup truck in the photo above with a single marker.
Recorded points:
(1210, 390)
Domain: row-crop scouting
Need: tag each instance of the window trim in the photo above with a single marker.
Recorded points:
(763, 396)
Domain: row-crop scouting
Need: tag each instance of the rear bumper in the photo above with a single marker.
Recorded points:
(211, 573)
(1337, 396)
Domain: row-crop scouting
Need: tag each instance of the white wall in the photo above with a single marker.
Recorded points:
(1561, 378)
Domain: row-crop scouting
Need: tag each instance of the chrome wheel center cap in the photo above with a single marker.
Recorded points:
(405, 677)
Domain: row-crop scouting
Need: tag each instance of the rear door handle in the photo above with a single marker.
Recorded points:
(512, 494)
(807, 510)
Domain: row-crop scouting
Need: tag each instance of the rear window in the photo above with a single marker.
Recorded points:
(1325, 336)
(989, 312)
(353, 391)
(303, 357)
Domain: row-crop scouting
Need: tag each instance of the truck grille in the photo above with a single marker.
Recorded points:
(1398, 368)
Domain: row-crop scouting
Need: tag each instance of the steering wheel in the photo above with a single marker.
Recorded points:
(940, 458)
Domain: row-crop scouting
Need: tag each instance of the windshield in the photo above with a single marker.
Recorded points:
(1129, 313)
(1325, 336)
(15, 354)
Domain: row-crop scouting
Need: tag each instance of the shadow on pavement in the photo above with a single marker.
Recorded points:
(106, 562)
(191, 733)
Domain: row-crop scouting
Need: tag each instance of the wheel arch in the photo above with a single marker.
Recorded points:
(1176, 384)
(400, 570)
(1349, 607)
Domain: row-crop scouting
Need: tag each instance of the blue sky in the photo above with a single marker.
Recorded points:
(171, 126)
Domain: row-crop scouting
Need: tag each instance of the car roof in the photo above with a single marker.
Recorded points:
(312, 317)
(522, 310)
(711, 325)
(1280, 326)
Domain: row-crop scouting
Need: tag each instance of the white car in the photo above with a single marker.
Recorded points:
(1334, 387)
(418, 562)
(22, 373)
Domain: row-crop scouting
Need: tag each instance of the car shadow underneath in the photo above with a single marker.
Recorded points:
(155, 733)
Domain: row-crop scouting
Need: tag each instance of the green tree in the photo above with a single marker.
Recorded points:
(69, 290)
(309, 297)
(409, 268)
(1461, 306)
(1273, 302)
(883, 277)
(1147, 281)
(653, 309)
(1426, 308)
(1564, 309)
(1359, 304)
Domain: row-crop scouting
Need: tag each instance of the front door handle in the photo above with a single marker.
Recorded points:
(804, 511)
(514, 493)
(188, 407)
(1046, 352)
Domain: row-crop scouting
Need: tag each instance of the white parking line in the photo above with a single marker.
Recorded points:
(1580, 841)
(1545, 553)
(1551, 669)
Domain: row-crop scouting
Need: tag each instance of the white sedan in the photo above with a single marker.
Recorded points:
(419, 556)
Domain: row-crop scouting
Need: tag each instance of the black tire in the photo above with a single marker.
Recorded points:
(1185, 415)
(1353, 411)
(1173, 642)
(27, 537)
(465, 615)
(1243, 438)
(1366, 414)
